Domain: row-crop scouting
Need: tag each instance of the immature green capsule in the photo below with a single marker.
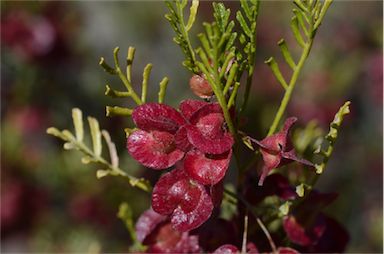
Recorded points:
(200, 86)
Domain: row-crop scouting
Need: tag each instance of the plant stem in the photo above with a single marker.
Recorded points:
(185, 35)
(245, 232)
(265, 230)
(291, 86)
(124, 79)
(250, 208)
(227, 116)
(131, 92)
(114, 170)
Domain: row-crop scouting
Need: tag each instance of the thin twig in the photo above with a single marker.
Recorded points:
(250, 208)
(245, 232)
(265, 230)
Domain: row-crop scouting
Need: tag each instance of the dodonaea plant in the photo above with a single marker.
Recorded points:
(194, 207)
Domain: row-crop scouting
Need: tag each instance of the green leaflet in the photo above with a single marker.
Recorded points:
(276, 71)
(284, 208)
(287, 55)
(111, 148)
(117, 111)
(144, 84)
(331, 137)
(300, 190)
(192, 15)
(77, 117)
(163, 87)
(296, 31)
(247, 31)
(94, 154)
(96, 136)
(221, 16)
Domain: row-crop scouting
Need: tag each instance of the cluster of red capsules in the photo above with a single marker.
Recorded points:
(196, 143)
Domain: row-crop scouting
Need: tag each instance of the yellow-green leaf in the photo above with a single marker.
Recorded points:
(192, 14)
(96, 135)
(101, 173)
(77, 117)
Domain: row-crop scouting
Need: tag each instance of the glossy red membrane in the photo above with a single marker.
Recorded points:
(181, 140)
(154, 149)
(206, 169)
(189, 107)
(147, 223)
(206, 144)
(188, 203)
(207, 109)
(275, 150)
(155, 116)
(190, 216)
(156, 231)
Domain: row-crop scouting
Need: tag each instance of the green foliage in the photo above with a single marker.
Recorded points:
(118, 111)
(304, 24)
(326, 148)
(300, 189)
(126, 78)
(284, 208)
(217, 59)
(176, 20)
(163, 88)
(94, 153)
(217, 44)
(247, 18)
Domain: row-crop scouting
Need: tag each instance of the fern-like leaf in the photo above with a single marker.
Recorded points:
(176, 19)
(94, 154)
(331, 137)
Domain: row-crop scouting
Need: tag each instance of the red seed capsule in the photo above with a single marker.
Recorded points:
(200, 86)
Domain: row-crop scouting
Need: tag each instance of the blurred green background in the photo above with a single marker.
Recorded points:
(50, 202)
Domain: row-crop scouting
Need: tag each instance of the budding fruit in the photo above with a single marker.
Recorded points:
(200, 86)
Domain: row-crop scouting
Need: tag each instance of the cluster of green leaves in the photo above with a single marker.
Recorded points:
(126, 78)
(247, 18)
(94, 153)
(304, 25)
(176, 19)
(218, 59)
